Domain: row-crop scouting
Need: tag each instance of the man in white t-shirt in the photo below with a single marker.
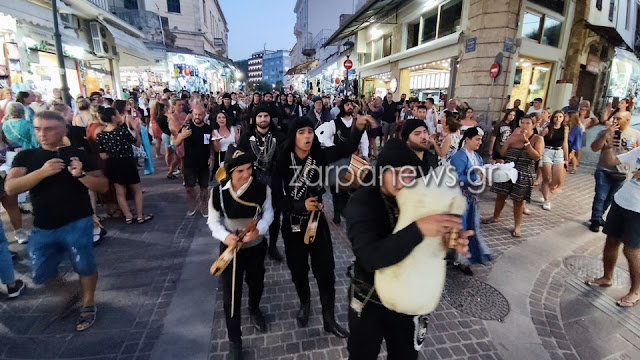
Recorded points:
(537, 106)
(623, 227)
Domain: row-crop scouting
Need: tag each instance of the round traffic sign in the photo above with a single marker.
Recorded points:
(348, 64)
(494, 70)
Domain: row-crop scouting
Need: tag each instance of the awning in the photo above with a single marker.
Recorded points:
(371, 12)
(131, 49)
(631, 59)
(29, 12)
(303, 68)
(320, 68)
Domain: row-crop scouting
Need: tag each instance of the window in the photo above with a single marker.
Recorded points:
(450, 14)
(531, 26)
(555, 5)
(173, 6)
(629, 7)
(429, 26)
(552, 31)
(438, 22)
(131, 4)
(612, 7)
(377, 49)
(204, 12)
(599, 5)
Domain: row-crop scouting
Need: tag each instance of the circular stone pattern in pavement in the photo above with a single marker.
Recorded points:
(587, 267)
(475, 298)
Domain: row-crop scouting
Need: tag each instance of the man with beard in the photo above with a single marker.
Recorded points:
(198, 157)
(319, 114)
(263, 141)
(335, 136)
(415, 134)
(232, 111)
(274, 109)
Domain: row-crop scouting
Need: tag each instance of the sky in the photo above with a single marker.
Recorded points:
(252, 23)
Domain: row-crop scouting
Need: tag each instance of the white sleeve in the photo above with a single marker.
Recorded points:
(267, 214)
(630, 157)
(364, 145)
(218, 230)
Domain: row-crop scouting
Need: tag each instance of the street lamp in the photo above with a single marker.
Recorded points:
(66, 98)
(348, 46)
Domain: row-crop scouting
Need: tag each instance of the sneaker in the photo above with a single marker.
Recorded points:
(176, 172)
(16, 290)
(192, 212)
(546, 205)
(205, 212)
(595, 226)
(21, 236)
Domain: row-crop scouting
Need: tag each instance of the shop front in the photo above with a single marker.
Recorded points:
(431, 80)
(624, 76)
(196, 73)
(379, 85)
(531, 80)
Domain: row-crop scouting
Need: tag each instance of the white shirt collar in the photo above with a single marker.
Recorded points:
(348, 122)
(242, 189)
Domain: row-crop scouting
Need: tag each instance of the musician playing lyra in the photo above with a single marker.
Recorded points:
(233, 205)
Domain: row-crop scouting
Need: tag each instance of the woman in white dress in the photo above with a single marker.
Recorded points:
(222, 137)
(450, 141)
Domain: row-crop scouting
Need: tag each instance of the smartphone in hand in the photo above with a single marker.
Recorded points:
(65, 153)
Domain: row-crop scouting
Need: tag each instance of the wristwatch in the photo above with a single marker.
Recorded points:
(81, 175)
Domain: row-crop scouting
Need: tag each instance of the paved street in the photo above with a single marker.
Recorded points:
(157, 300)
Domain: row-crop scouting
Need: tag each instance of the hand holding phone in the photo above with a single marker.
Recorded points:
(64, 153)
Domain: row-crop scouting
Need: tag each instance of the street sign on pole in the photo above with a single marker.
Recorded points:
(348, 64)
(494, 71)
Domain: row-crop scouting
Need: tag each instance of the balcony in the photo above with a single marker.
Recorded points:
(148, 22)
(102, 4)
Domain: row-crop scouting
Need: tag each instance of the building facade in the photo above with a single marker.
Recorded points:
(275, 65)
(255, 66)
(445, 48)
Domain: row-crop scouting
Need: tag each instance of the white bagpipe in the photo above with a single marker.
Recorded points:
(414, 285)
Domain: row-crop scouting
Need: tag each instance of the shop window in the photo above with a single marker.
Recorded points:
(429, 26)
(413, 32)
(552, 31)
(173, 6)
(377, 49)
(555, 5)
(450, 14)
(531, 26)
(386, 46)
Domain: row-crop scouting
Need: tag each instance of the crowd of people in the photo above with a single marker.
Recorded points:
(260, 164)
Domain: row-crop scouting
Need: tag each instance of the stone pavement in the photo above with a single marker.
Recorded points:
(157, 300)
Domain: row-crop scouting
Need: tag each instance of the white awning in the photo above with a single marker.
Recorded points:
(132, 50)
(28, 11)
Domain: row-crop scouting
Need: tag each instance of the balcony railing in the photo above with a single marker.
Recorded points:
(102, 4)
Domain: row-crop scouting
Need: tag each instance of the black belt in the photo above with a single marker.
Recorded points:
(553, 148)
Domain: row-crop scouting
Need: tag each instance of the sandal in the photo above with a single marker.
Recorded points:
(593, 283)
(489, 221)
(626, 303)
(87, 317)
(572, 171)
(129, 221)
(515, 234)
(171, 176)
(144, 219)
(526, 211)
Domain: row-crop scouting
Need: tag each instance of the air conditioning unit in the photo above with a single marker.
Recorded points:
(99, 39)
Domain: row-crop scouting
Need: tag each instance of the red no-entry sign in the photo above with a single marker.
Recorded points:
(348, 64)
(494, 70)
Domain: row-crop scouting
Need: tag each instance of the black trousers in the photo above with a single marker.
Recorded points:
(339, 199)
(322, 262)
(250, 265)
(274, 228)
(376, 323)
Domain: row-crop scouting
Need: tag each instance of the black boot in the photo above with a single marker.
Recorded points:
(274, 254)
(257, 319)
(303, 314)
(235, 351)
(330, 324)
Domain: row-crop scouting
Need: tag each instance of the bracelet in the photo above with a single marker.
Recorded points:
(527, 143)
(81, 175)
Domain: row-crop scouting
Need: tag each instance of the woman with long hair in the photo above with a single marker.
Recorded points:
(523, 148)
(114, 143)
(451, 139)
(132, 120)
(468, 163)
(223, 135)
(468, 121)
(576, 130)
(555, 156)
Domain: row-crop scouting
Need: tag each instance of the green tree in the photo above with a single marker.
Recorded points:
(279, 84)
(260, 86)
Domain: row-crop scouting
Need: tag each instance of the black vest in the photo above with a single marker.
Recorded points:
(256, 193)
(342, 137)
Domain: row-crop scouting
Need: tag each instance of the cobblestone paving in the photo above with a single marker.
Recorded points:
(138, 266)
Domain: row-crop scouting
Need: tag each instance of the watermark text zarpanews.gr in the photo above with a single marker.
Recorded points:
(343, 176)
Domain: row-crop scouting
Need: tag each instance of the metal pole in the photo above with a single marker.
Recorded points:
(346, 82)
(66, 98)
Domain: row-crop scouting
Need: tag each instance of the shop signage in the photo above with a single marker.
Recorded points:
(508, 45)
(593, 64)
(348, 64)
(494, 70)
(470, 45)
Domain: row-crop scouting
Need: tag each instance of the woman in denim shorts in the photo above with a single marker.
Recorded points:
(555, 157)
